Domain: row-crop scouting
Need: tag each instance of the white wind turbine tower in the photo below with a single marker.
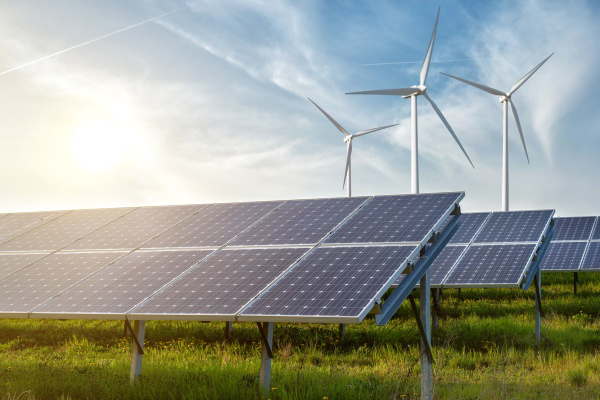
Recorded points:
(505, 99)
(348, 139)
(413, 92)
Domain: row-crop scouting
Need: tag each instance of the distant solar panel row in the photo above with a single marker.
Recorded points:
(574, 245)
(298, 260)
(490, 249)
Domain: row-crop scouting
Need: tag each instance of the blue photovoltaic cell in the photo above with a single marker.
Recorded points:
(135, 228)
(12, 225)
(31, 286)
(515, 226)
(469, 224)
(592, 257)
(492, 265)
(299, 222)
(563, 256)
(10, 263)
(573, 228)
(338, 281)
(63, 230)
(596, 234)
(443, 263)
(214, 225)
(223, 283)
(407, 218)
(118, 287)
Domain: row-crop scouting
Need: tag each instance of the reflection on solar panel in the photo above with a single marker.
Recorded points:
(63, 230)
(31, 286)
(222, 284)
(470, 223)
(299, 222)
(10, 263)
(214, 225)
(592, 257)
(444, 263)
(596, 234)
(493, 265)
(134, 228)
(573, 228)
(12, 225)
(123, 284)
(406, 218)
(564, 256)
(515, 226)
(338, 281)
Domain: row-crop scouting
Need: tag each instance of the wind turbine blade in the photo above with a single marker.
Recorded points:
(333, 121)
(347, 163)
(527, 76)
(439, 113)
(477, 85)
(425, 67)
(516, 115)
(372, 130)
(391, 92)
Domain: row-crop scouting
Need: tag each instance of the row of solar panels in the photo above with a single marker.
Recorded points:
(325, 260)
(493, 249)
(575, 245)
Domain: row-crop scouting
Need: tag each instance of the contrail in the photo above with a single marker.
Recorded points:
(90, 41)
(419, 62)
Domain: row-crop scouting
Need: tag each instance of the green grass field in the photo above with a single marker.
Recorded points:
(485, 349)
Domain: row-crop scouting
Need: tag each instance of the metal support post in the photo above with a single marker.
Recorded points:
(342, 330)
(575, 282)
(537, 281)
(266, 355)
(426, 359)
(459, 293)
(137, 351)
(228, 329)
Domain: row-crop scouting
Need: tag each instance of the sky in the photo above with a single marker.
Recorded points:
(209, 103)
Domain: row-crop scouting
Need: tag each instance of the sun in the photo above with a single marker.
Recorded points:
(97, 144)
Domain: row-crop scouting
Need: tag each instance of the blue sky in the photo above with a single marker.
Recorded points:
(208, 104)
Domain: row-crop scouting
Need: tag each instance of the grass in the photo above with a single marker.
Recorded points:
(484, 349)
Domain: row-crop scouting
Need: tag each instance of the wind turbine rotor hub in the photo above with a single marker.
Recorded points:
(348, 138)
(502, 99)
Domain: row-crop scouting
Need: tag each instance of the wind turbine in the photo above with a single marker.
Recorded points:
(412, 93)
(348, 139)
(505, 99)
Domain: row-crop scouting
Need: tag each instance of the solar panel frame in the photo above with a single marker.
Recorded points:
(481, 235)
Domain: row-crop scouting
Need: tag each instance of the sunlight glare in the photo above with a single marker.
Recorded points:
(97, 144)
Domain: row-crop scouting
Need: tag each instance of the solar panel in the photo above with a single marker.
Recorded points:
(299, 222)
(10, 263)
(493, 265)
(407, 218)
(335, 281)
(566, 256)
(444, 263)
(592, 257)
(134, 228)
(214, 225)
(596, 234)
(222, 284)
(469, 224)
(31, 286)
(12, 225)
(573, 228)
(63, 230)
(123, 284)
(515, 226)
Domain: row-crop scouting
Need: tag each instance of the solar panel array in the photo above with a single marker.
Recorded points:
(490, 249)
(574, 245)
(301, 260)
